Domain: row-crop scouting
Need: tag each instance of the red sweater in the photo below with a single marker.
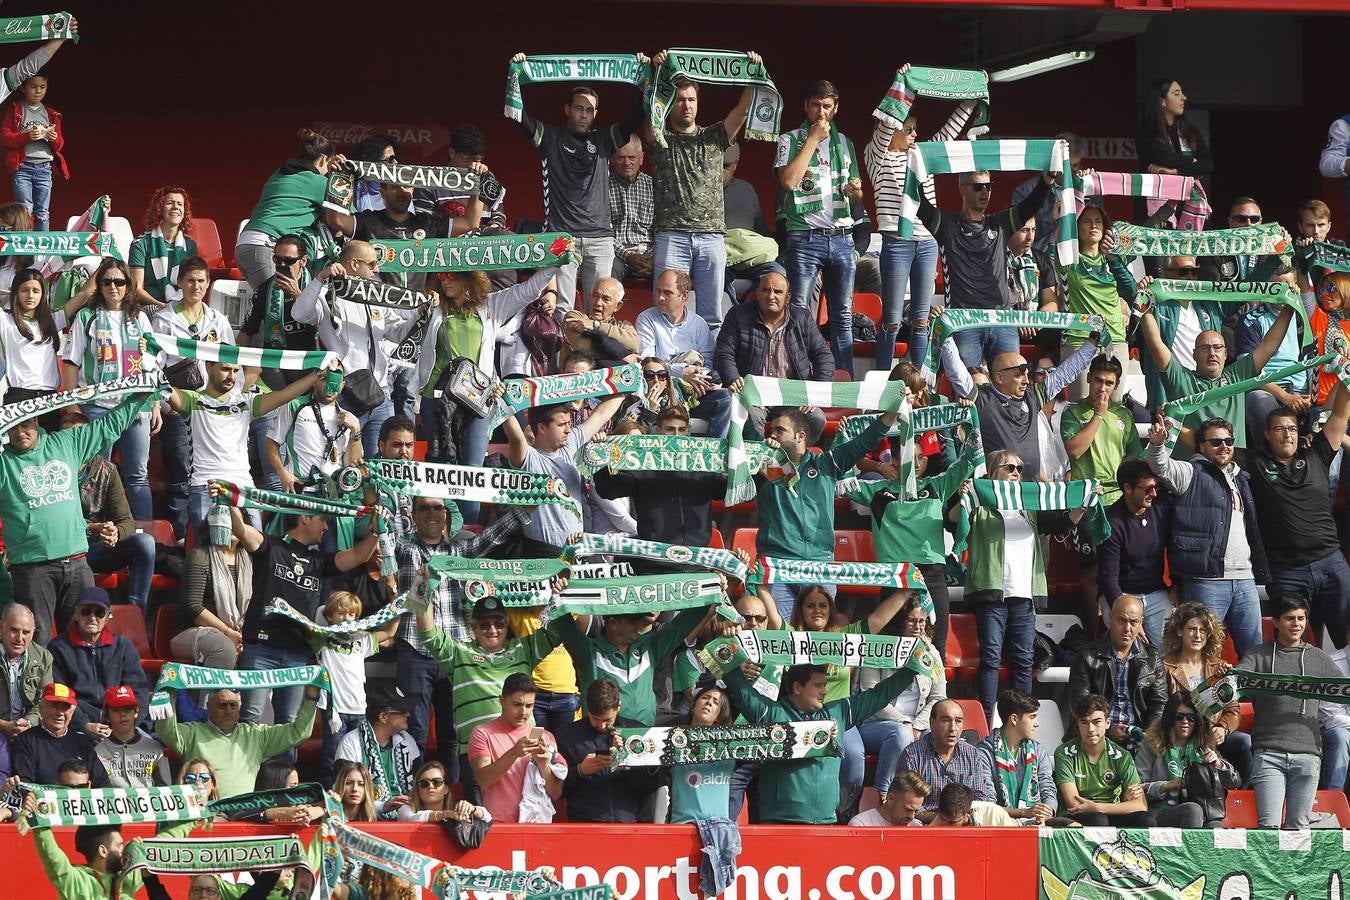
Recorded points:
(13, 137)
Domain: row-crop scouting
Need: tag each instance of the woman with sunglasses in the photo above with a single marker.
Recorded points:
(107, 342)
(1192, 655)
(1005, 573)
(906, 263)
(1179, 739)
(660, 391)
(432, 801)
(905, 719)
(200, 774)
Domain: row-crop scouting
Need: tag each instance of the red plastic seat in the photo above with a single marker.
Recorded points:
(975, 719)
(1333, 802)
(1240, 809)
(963, 646)
(715, 540)
(165, 623)
(854, 546)
(636, 300)
(744, 539)
(129, 622)
(420, 451)
(209, 248)
(1229, 650)
(1246, 716)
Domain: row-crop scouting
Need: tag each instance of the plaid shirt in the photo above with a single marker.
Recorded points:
(1122, 707)
(631, 211)
(922, 757)
(412, 555)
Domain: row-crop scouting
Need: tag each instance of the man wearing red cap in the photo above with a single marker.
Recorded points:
(91, 658)
(133, 758)
(39, 752)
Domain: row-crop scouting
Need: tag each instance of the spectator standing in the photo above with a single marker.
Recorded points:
(594, 791)
(1130, 561)
(1124, 670)
(344, 656)
(32, 137)
(1098, 283)
(515, 761)
(318, 436)
(1294, 391)
(631, 212)
(1334, 161)
(30, 342)
(1166, 143)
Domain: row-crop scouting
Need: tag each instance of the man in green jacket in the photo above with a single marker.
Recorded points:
(806, 791)
(34, 671)
(45, 536)
(101, 846)
(235, 749)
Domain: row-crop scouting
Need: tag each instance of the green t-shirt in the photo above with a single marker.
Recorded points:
(291, 201)
(912, 530)
(1116, 438)
(1093, 290)
(1179, 381)
(700, 791)
(160, 261)
(458, 336)
(1101, 782)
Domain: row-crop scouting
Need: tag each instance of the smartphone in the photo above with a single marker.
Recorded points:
(536, 734)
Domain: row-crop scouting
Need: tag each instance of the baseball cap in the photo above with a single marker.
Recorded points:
(388, 700)
(488, 607)
(56, 692)
(120, 696)
(93, 596)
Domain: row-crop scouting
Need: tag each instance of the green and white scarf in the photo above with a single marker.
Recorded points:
(49, 27)
(57, 806)
(183, 677)
(252, 804)
(760, 390)
(399, 861)
(493, 571)
(373, 292)
(696, 745)
(378, 619)
(392, 778)
(717, 67)
(1174, 290)
(954, 321)
(937, 83)
(463, 182)
(475, 254)
(1034, 496)
(215, 856)
(821, 648)
(523, 393)
(672, 453)
(92, 219)
(640, 594)
(809, 194)
(938, 417)
(1221, 691)
(533, 883)
(574, 68)
(58, 243)
(1177, 410)
(12, 414)
(1011, 790)
(807, 571)
(246, 496)
(1136, 240)
(655, 551)
(104, 359)
(1026, 275)
(475, 484)
(274, 325)
(1320, 257)
(257, 357)
(601, 891)
(949, 157)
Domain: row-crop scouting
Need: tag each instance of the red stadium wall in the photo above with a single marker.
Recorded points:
(651, 862)
(211, 96)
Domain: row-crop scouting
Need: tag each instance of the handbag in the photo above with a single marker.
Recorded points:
(185, 374)
(362, 392)
(1204, 786)
(468, 835)
(468, 385)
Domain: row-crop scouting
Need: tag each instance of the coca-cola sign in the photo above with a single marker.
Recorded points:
(426, 138)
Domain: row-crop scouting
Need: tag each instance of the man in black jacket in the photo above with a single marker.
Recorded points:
(1126, 671)
(770, 337)
(594, 791)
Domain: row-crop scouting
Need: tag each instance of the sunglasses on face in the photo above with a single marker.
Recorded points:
(285, 262)
(113, 282)
(1011, 467)
(980, 186)
(430, 782)
(1220, 442)
(656, 376)
(1014, 370)
(1247, 220)
(1186, 717)
(94, 612)
(197, 778)
(750, 618)
(492, 625)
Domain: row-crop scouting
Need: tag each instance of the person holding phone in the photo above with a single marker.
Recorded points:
(594, 791)
(515, 762)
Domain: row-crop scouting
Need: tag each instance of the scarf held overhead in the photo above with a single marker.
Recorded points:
(523, 393)
(671, 453)
(692, 746)
(939, 84)
(49, 27)
(1136, 240)
(12, 414)
(1036, 496)
(57, 806)
(246, 496)
(475, 484)
(718, 67)
(474, 254)
(820, 648)
(256, 357)
(381, 617)
(183, 677)
(621, 545)
(640, 594)
(210, 856)
(950, 157)
(1171, 290)
(373, 292)
(92, 219)
(1193, 207)
(59, 243)
(955, 321)
(617, 68)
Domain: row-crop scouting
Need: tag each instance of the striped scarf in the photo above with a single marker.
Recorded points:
(58, 806)
(1012, 791)
(183, 677)
(954, 321)
(615, 68)
(473, 484)
(1193, 206)
(675, 554)
(866, 574)
(257, 357)
(1025, 275)
(1320, 257)
(1035, 496)
(214, 856)
(59, 243)
(523, 393)
(940, 84)
(821, 648)
(809, 194)
(950, 157)
(92, 219)
(49, 27)
(1136, 240)
(639, 594)
(691, 746)
(145, 383)
(1172, 290)
(760, 390)
(672, 453)
(378, 619)
(719, 67)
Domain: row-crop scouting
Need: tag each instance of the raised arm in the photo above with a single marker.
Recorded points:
(1157, 350)
(1177, 474)
(1271, 342)
(1335, 427)
(277, 399)
(604, 411)
(735, 119)
(518, 446)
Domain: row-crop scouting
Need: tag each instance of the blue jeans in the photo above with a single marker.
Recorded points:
(805, 256)
(331, 738)
(134, 448)
(1335, 756)
(403, 390)
(258, 430)
(885, 738)
(472, 445)
(371, 422)
(1237, 749)
(33, 188)
(716, 408)
(1285, 781)
(1006, 630)
(1157, 607)
(979, 346)
(420, 678)
(552, 711)
(1326, 584)
(285, 701)
(177, 455)
(136, 553)
(1234, 603)
(704, 256)
(912, 264)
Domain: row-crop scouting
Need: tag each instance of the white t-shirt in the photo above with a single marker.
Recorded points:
(30, 365)
(301, 429)
(1019, 540)
(1188, 329)
(873, 818)
(212, 327)
(218, 429)
(553, 522)
(346, 664)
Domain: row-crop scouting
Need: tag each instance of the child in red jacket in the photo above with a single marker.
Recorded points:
(30, 132)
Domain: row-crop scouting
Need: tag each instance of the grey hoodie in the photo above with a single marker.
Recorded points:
(1287, 724)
